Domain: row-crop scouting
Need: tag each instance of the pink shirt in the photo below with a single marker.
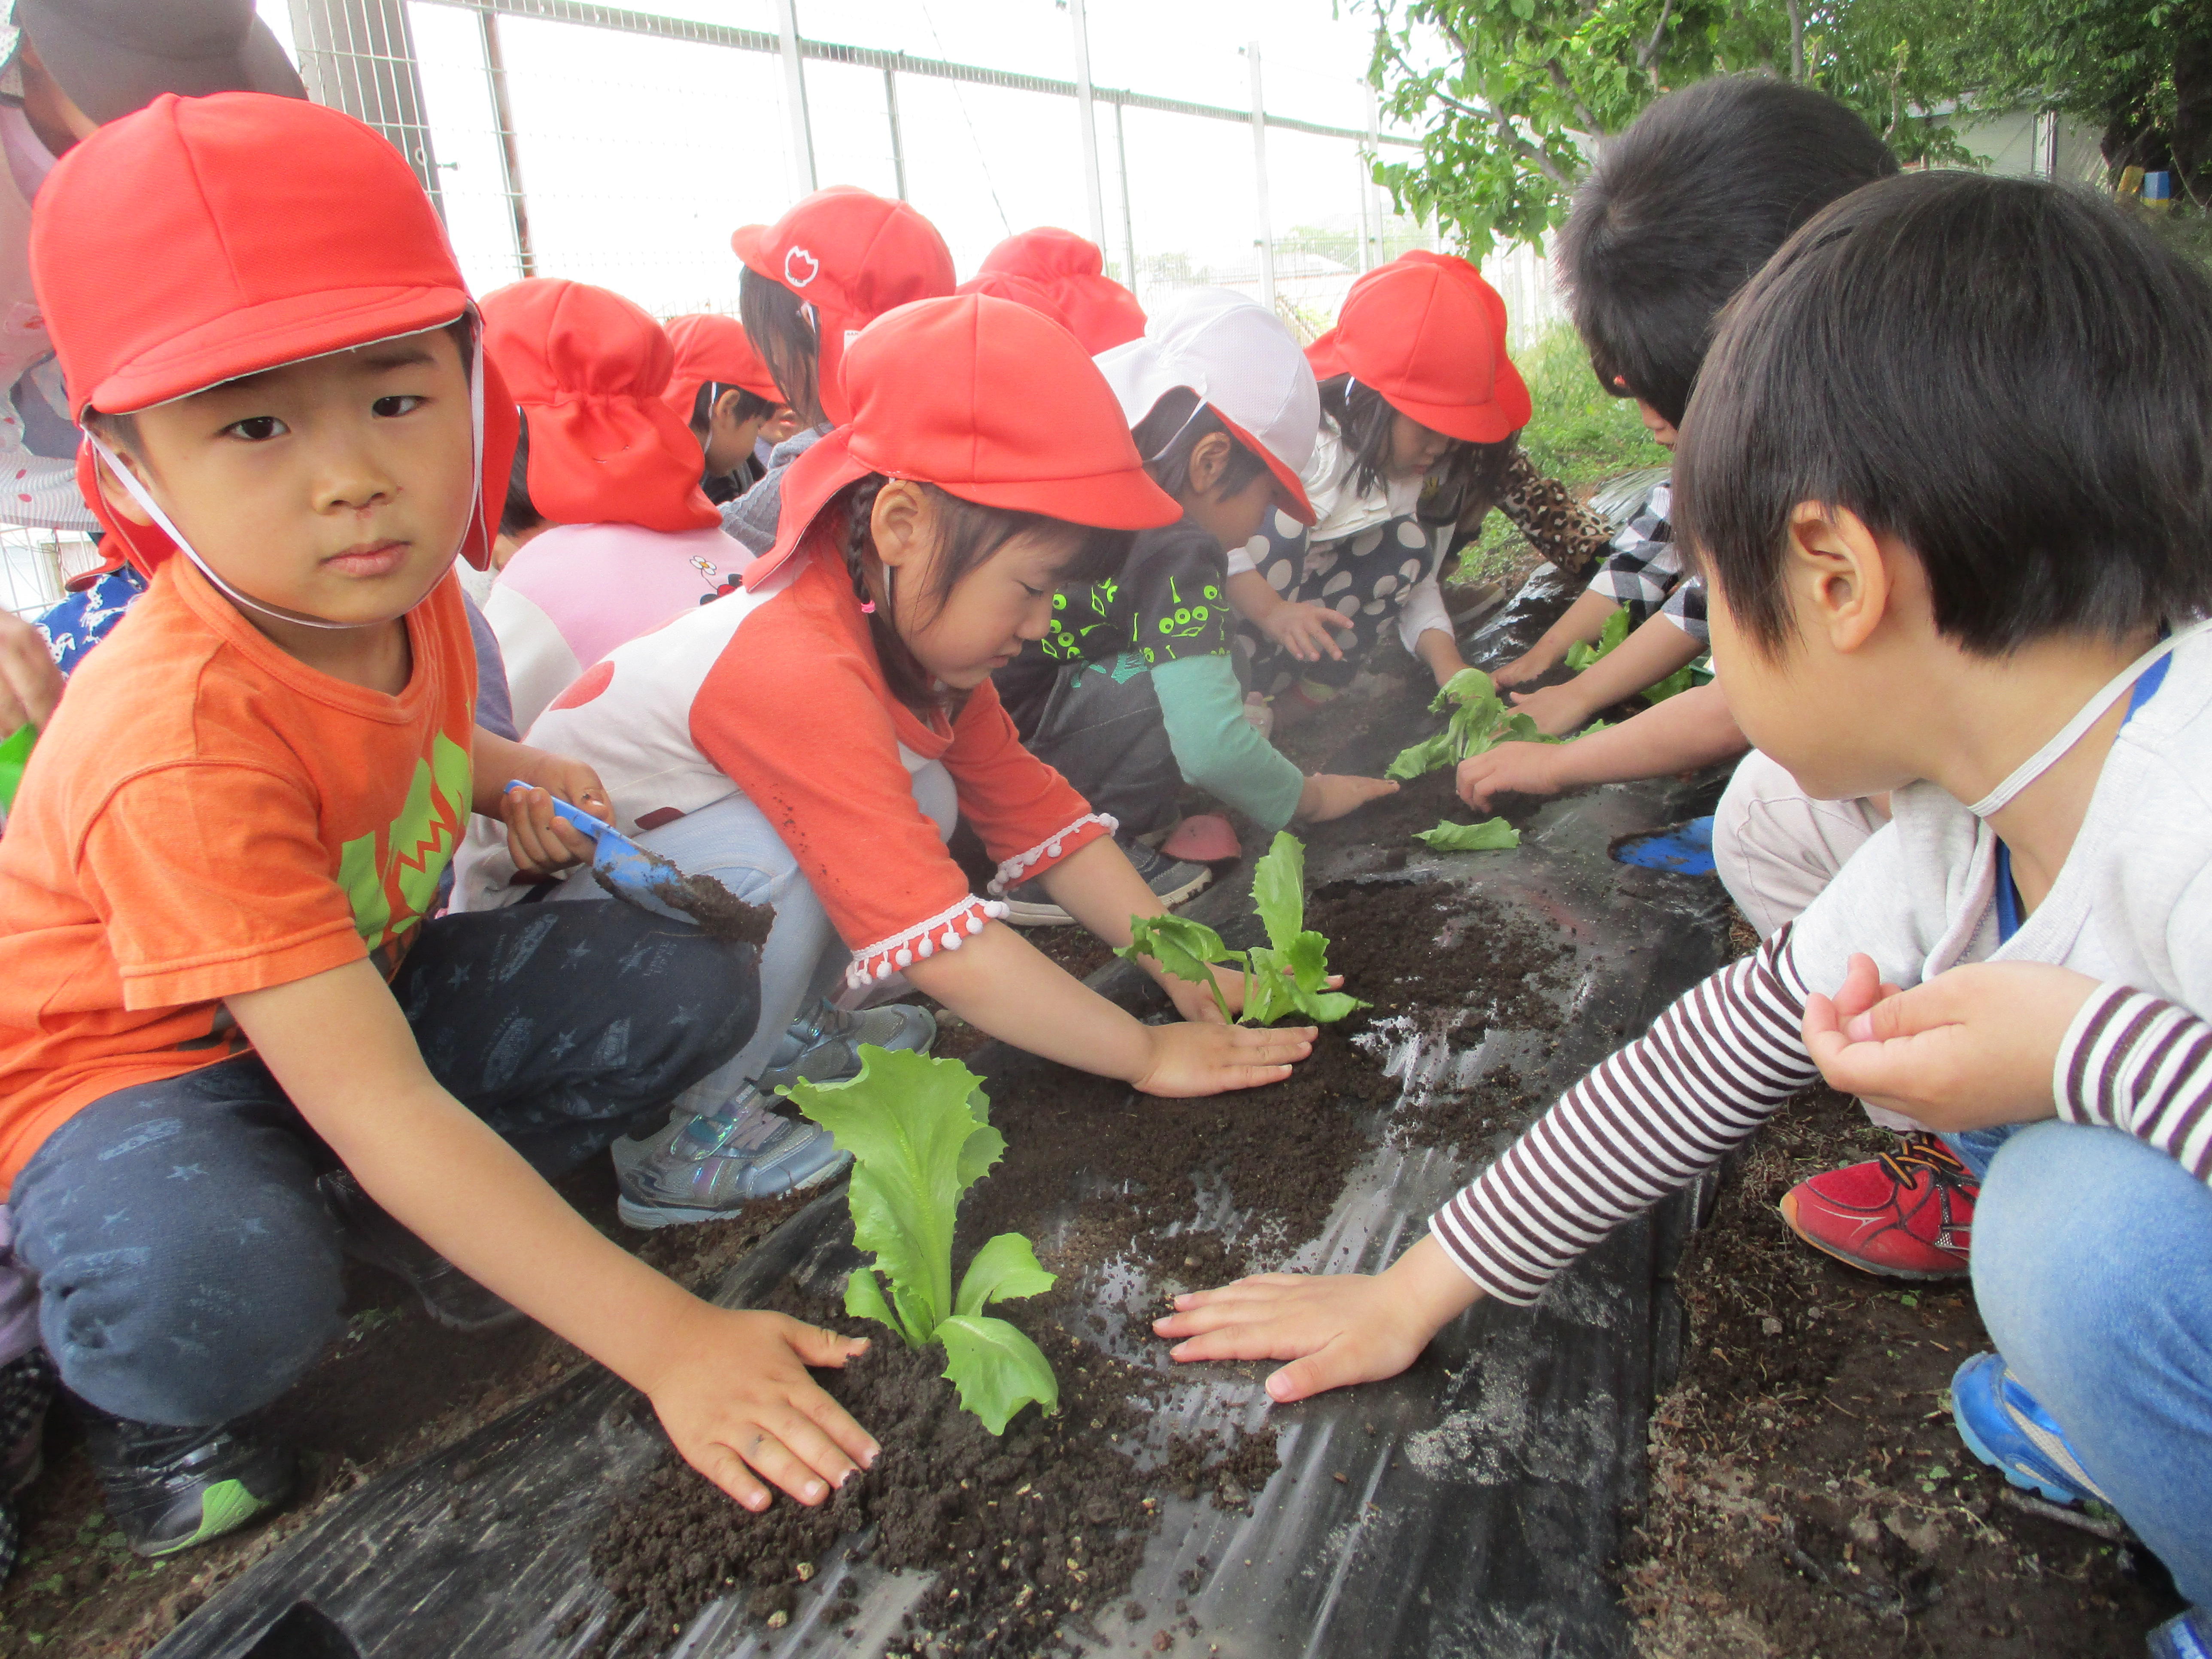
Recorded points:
(578, 591)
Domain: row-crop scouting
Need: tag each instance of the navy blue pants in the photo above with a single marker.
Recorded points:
(188, 1273)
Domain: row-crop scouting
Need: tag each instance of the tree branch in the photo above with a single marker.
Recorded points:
(1648, 52)
(1797, 11)
(1566, 89)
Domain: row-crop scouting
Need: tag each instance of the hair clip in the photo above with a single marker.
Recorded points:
(869, 609)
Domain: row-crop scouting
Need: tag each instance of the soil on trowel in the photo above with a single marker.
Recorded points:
(720, 914)
(1025, 1536)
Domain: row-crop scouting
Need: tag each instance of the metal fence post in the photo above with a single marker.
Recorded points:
(1370, 198)
(510, 151)
(1088, 123)
(1267, 243)
(898, 141)
(794, 96)
(1128, 214)
(358, 56)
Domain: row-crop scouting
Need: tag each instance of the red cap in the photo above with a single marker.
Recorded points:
(1098, 310)
(852, 255)
(588, 368)
(989, 402)
(1429, 334)
(712, 347)
(170, 255)
(1003, 285)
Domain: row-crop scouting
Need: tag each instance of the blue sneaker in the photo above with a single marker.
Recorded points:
(705, 1169)
(822, 1045)
(2185, 1636)
(2004, 1427)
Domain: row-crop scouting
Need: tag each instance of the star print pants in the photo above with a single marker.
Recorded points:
(1364, 576)
(187, 1271)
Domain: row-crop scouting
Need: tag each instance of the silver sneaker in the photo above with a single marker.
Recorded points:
(823, 1044)
(704, 1168)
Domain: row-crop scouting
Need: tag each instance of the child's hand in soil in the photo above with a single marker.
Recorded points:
(1328, 796)
(1190, 1058)
(1970, 1049)
(1557, 709)
(1535, 662)
(738, 1403)
(1336, 1328)
(1195, 1002)
(1306, 631)
(1510, 768)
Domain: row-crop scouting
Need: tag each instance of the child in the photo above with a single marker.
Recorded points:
(612, 472)
(1071, 271)
(1695, 197)
(227, 840)
(722, 391)
(1927, 329)
(812, 281)
(1421, 406)
(1139, 695)
(809, 739)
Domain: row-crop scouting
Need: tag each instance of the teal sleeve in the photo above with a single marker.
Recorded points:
(1217, 747)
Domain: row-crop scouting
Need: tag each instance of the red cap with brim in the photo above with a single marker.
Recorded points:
(1290, 488)
(1097, 310)
(710, 347)
(236, 266)
(1428, 333)
(1021, 290)
(989, 401)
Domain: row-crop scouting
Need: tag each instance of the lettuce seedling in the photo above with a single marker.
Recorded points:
(919, 1133)
(1492, 835)
(1479, 721)
(1290, 974)
(1184, 948)
(1581, 656)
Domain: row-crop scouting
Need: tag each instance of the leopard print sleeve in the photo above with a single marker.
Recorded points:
(1557, 525)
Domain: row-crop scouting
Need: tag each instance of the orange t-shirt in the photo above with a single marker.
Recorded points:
(206, 815)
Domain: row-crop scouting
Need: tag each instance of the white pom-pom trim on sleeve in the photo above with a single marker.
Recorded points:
(948, 930)
(1016, 869)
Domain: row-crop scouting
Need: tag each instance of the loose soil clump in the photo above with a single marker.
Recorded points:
(720, 914)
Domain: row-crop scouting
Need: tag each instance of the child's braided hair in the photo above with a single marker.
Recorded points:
(968, 535)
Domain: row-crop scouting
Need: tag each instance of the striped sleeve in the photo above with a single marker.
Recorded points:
(1645, 1122)
(2137, 1063)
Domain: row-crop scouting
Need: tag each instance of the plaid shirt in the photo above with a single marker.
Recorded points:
(1645, 573)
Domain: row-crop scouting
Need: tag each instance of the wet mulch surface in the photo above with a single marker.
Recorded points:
(1810, 1495)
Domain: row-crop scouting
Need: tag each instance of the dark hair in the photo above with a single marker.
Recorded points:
(1682, 209)
(776, 322)
(2010, 377)
(752, 406)
(1466, 471)
(969, 534)
(518, 515)
(1168, 436)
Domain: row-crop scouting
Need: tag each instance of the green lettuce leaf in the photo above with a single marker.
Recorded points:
(1290, 974)
(1469, 688)
(1279, 890)
(1676, 683)
(908, 1123)
(1183, 948)
(1005, 1267)
(997, 1369)
(1581, 656)
(864, 1299)
(1494, 835)
(1416, 760)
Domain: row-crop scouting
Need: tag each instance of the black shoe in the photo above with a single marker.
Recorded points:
(369, 1234)
(1172, 882)
(169, 1489)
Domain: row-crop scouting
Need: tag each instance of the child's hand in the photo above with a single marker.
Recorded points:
(1336, 1328)
(1193, 1058)
(30, 684)
(1306, 630)
(1328, 796)
(1557, 709)
(1533, 663)
(1195, 1002)
(540, 844)
(1972, 1047)
(737, 1401)
(1510, 768)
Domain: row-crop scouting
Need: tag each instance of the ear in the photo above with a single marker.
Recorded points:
(119, 500)
(1209, 461)
(723, 413)
(899, 524)
(1836, 575)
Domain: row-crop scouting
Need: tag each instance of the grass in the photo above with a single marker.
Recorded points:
(1576, 434)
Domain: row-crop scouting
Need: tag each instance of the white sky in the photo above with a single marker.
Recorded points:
(639, 157)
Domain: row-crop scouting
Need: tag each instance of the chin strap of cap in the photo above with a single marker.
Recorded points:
(138, 493)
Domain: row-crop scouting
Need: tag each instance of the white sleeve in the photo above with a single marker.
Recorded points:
(1240, 557)
(539, 663)
(1423, 609)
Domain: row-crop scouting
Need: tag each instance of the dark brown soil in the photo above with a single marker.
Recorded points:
(1810, 1495)
(720, 914)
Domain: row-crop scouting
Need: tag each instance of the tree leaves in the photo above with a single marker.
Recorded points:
(1491, 836)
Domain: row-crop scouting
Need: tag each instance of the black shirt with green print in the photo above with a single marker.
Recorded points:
(1170, 601)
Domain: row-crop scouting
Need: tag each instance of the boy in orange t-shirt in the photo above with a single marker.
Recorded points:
(231, 1044)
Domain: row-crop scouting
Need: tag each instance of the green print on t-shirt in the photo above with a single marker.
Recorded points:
(390, 876)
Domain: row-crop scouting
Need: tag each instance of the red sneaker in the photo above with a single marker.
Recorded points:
(1907, 1214)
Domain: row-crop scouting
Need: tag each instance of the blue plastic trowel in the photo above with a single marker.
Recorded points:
(624, 868)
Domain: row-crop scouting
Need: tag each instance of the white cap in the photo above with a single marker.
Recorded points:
(1238, 356)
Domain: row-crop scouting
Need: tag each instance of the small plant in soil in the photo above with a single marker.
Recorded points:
(919, 1133)
(1581, 656)
(1491, 835)
(1478, 721)
(1289, 974)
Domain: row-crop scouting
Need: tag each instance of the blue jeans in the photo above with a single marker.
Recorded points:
(2093, 1268)
(187, 1271)
(732, 840)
